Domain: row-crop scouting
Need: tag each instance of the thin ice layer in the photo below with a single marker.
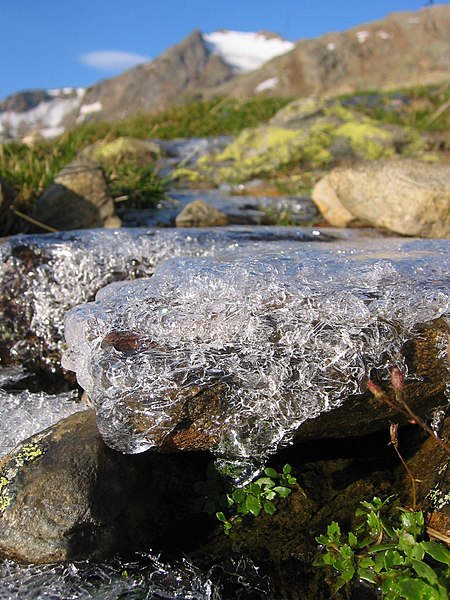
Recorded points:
(24, 413)
(145, 578)
(283, 337)
(43, 276)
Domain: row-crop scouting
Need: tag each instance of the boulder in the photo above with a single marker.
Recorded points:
(311, 132)
(429, 466)
(406, 196)
(240, 354)
(64, 495)
(77, 199)
(200, 214)
(139, 152)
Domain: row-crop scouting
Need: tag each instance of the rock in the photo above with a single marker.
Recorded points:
(238, 354)
(78, 199)
(65, 495)
(140, 152)
(324, 195)
(408, 197)
(200, 214)
(45, 275)
(430, 466)
(312, 132)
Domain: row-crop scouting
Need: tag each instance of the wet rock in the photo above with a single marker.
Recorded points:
(77, 199)
(200, 214)
(408, 197)
(45, 275)
(241, 354)
(65, 495)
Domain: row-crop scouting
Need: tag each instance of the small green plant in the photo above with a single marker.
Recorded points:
(386, 550)
(257, 496)
(139, 187)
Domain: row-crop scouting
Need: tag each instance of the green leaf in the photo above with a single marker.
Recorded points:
(282, 491)
(253, 505)
(287, 469)
(416, 589)
(254, 489)
(412, 522)
(334, 532)
(424, 571)
(269, 507)
(393, 558)
(270, 472)
(366, 574)
(437, 551)
(265, 481)
(352, 539)
(238, 495)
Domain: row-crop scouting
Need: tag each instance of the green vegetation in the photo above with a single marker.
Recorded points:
(29, 169)
(386, 549)
(425, 108)
(259, 495)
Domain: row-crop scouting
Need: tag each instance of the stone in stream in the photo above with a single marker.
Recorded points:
(77, 199)
(64, 495)
(242, 355)
(409, 197)
(44, 275)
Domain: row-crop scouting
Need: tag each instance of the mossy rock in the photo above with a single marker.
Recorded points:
(122, 148)
(312, 133)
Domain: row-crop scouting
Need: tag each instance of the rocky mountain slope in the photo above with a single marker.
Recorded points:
(401, 50)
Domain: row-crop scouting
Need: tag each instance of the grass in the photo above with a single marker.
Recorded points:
(425, 108)
(30, 169)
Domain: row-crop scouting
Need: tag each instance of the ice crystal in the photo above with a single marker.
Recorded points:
(282, 336)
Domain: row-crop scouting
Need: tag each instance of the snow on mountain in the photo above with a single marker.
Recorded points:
(47, 117)
(244, 51)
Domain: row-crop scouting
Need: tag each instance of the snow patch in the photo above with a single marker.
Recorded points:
(384, 35)
(362, 36)
(244, 51)
(89, 109)
(331, 46)
(267, 84)
(46, 118)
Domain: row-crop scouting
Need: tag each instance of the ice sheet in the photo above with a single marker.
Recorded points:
(285, 336)
(44, 275)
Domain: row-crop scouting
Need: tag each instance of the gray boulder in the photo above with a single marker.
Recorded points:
(64, 494)
(77, 199)
(200, 214)
(407, 196)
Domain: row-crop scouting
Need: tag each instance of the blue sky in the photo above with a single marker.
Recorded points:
(56, 43)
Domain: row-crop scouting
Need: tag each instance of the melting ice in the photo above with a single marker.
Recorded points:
(283, 334)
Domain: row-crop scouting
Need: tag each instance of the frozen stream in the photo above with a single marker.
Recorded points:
(270, 312)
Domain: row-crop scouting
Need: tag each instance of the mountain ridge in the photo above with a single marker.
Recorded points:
(403, 49)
